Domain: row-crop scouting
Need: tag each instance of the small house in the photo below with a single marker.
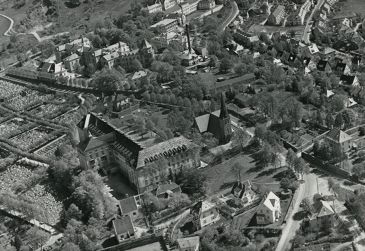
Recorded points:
(189, 243)
(323, 65)
(205, 213)
(130, 207)
(123, 228)
(244, 192)
(269, 210)
(165, 190)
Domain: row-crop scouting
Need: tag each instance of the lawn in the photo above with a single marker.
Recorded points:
(221, 177)
(352, 6)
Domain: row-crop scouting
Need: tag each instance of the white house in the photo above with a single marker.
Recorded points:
(205, 213)
(269, 210)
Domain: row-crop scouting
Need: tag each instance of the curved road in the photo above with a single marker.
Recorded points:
(232, 16)
(308, 25)
(6, 24)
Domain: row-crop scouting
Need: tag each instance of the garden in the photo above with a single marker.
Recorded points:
(22, 190)
(9, 90)
(13, 126)
(27, 98)
(31, 139)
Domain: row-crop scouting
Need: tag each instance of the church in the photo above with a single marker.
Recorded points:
(218, 123)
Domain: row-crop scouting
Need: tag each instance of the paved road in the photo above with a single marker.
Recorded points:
(308, 26)
(306, 189)
(232, 15)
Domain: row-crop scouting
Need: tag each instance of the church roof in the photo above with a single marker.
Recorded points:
(202, 122)
(325, 210)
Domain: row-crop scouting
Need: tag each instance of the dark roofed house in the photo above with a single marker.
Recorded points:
(218, 123)
(348, 80)
(123, 228)
(338, 139)
(323, 215)
(165, 190)
(342, 69)
(243, 191)
(324, 66)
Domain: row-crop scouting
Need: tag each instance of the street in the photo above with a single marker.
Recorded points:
(308, 26)
(306, 189)
(232, 15)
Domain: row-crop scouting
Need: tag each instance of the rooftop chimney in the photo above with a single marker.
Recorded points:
(188, 37)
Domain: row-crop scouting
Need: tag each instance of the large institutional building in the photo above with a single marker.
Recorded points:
(144, 163)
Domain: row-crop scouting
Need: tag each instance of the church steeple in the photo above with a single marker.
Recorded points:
(224, 112)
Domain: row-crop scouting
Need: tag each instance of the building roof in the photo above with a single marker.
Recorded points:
(139, 74)
(313, 48)
(338, 135)
(271, 201)
(279, 10)
(163, 22)
(202, 206)
(170, 187)
(165, 148)
(128, 205)
(321, 66)
(94, 142)
(241, 187)
(325, 210)
(123, 225)
(202, 122)
(145, 44)
(347, 79)
(188, 242)
(72, 57)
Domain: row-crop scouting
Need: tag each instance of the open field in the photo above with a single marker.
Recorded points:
(221, 177)
(352, 6)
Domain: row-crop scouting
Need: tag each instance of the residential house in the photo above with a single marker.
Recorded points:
(168, 4)
(323, 215)
(349, 80)
(310, 65)
(130, 207)
(269, 210)
(166, 25)
(323, 65)
(342, 69)
(51, 67)
(205, 213)
(72, 62)
(206, 4)
(189, 243)
(277, 16)
(244, 192)
(67, 49)
(338, 140)
(123, 228)
(218, 123)
(307, 50)
(165, 190)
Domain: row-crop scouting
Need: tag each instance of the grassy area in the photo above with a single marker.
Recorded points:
(221, 177)
(352, 6)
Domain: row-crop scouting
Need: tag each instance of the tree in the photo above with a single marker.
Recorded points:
(192, 182)
(17, 242)
(338, 121)
(225, 65)
(237, 169)
(331, 183)
(73, 212)
(37, 235)
(290, 157)
(47, 48)
(329, 121)
(107, 81)
(135, 66)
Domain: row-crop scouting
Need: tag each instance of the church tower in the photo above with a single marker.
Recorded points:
(224, 123)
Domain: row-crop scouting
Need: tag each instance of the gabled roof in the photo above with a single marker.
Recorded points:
(94, 142)
(202, 206)
(128, 205)
(325, 210)
(271, 201)
(72, 57)
(202, 122)
(322, 64)
(123, 225)
(241, 187)
(162, 149)
(338, 135)
(164, 188)
(347, 79)
(188, 242)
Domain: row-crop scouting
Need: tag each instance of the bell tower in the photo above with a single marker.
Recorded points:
(224, 122)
